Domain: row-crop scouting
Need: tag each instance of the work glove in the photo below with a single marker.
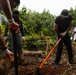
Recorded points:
(13, 26)
(23, 39)
(63, 34)
(8, 54)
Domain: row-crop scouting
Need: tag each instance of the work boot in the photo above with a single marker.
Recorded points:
(56, 65)
(71, 62)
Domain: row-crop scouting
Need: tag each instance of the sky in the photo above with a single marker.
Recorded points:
(54, 6)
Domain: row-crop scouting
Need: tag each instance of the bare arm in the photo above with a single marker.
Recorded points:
(56, 28)
(5, 4)
(6, 8)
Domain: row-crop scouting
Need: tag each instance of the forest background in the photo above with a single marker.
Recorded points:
(38, 26)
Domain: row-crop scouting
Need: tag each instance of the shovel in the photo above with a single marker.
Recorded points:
(51, 51)
(15, 52)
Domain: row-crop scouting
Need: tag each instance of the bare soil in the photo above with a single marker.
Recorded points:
(30, 66)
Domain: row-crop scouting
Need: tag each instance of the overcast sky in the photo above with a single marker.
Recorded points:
(54, 6)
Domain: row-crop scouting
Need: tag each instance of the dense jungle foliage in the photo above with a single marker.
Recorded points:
(37, 25)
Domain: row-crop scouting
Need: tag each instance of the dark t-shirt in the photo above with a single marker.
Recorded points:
(63, 23)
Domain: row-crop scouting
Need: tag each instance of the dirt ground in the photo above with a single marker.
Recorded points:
(30, 66)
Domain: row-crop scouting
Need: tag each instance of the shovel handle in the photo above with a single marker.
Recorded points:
(51, 51)
(15, 52)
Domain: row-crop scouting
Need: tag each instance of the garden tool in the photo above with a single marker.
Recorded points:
(51, 51)
(15, 52)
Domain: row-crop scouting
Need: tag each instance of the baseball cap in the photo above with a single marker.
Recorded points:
(64, 13)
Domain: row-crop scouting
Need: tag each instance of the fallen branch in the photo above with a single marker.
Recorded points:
(33, 52)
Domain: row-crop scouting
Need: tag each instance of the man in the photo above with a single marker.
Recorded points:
(62, 26)
(19, 35)
(8, 6)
